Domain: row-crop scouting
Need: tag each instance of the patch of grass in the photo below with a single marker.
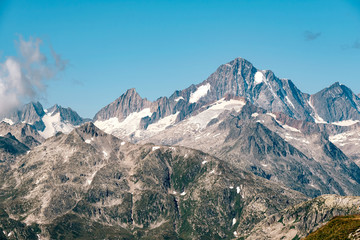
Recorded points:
(337, 228)
(71, 226)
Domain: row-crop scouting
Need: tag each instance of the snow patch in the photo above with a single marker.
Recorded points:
(235, 234)
(126, 127)
(350, 137)
(345, 123)
(233, 221)
(231, 187)
(162, 124)
(287, 127)
(203, 162)
(90, 179)
(238, 189)
(183, 193)
(155, 148)
(105, 154)
(272, 115)
(9, 121)
(213, 171)
(178, 99)
(254, 115)
(316, 117)
(200, 120)
(289, 101)
(174, 192)
(88, 141)
(259, 77)
(199, 93)
(122, 143)
(53, 124)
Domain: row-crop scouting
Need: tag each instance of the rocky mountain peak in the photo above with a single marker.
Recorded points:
(89, 129)
(126, 104)
(10, 136)
(336, 103)
(66, 114)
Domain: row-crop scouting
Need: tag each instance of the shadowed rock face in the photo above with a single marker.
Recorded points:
(67, 115)
(336, 103)
(122, 107)
(11, 147)
(90, 177)
(30, 113)
(24, 132)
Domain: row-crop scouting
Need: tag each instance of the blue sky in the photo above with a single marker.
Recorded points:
(162, 46)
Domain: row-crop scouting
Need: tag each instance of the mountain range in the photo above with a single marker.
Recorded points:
(243, 154)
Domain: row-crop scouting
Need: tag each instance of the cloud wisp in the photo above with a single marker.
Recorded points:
(23, 77)
(356, 44)
(310, 36)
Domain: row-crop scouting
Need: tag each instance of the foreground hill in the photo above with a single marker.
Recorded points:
(341, 228)
(91, 178)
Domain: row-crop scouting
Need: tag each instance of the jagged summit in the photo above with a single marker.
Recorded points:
(336, 103)
(127, 103)
(237, 78)
(90, 129)
(66, 114)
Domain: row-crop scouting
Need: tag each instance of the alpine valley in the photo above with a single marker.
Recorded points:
(241, 155)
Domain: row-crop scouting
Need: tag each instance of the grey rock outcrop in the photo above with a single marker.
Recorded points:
(336, 103)
(90, 178)
(298, 221)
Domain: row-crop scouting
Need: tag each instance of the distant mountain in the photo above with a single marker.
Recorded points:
(336, 103)
(30, 113)
(292, 152)
(46, 121)
(122, 107)
(130, 114)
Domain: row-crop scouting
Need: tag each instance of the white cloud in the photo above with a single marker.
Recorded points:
(23, 78)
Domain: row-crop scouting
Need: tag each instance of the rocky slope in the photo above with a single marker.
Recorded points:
(30, 113)
(25, 133)
(266, 144)
(138, 191)
(298, 221)
(336, 103)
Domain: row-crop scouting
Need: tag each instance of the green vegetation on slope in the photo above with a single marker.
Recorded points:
(337, 228)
